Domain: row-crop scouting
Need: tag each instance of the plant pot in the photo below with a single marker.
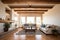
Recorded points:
(6, 29)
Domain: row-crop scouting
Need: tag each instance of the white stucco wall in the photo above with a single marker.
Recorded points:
(52, 16)
(2, 15)
(15, 18)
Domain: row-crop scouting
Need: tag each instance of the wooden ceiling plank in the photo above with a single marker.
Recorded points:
(31, 10)
(40, 1)
(28, 6)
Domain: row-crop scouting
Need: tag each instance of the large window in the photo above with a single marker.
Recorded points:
(22, 20)
(31, 20)
(38, 20)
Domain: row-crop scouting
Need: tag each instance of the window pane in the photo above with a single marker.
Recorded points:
(31, 20)
(38, 20)
(22, 20)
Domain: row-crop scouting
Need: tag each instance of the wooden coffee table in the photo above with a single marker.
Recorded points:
(30, 30)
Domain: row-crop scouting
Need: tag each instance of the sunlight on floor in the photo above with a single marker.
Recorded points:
(38, 37)
(23, 37)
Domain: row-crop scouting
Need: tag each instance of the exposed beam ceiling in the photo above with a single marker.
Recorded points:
(31, 5)
(38, 1)
(32, 10)
(35, 7)
(43, 8)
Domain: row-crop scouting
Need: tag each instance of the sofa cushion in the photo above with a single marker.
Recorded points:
(29, 26)
(43, 25)
(26, 24)
(49, 26)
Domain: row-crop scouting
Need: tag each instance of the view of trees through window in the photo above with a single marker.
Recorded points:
(30, 20)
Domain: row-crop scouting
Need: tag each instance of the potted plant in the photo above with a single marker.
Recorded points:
(6, 27)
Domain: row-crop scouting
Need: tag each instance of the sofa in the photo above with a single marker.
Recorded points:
(29, 27)
(47, 29)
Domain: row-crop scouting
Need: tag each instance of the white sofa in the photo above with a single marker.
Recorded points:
(48, 29)
(58, 28)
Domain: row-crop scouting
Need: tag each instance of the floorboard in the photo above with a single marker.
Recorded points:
(13, 36)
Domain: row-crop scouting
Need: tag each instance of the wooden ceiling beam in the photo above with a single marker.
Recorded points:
(29, 12)
(40, 1)
(31, 6)
(32, 10)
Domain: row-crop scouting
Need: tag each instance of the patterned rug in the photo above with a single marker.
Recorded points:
(37, 32)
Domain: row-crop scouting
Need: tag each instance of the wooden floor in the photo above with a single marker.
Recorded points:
(13, 36)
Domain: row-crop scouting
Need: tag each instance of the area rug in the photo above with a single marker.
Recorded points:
(37, 32)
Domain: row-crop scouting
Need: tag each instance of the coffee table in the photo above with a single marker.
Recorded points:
(30, 30)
